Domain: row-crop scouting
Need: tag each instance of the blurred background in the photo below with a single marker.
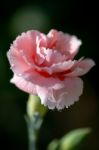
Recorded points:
(75, 17)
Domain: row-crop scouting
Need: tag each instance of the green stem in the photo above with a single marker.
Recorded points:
(34, 119)
(33, 127)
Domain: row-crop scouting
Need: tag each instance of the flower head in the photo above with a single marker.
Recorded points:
(44, 65)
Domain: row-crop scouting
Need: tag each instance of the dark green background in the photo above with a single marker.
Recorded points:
(71, 16)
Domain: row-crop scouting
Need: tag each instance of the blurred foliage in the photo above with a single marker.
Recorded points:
(29, 18)
(70, 141)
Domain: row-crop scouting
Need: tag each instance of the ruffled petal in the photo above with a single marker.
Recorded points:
(65, 43)
(53, 57)
(52, 38)
(73, 88)
(17, 61)
(63, 97)
(37, 79)
(82, 67)
(27, 42)
(46, 97)
(24, 85)
(57, 68)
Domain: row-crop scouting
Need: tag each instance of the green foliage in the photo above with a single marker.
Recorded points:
(70, 141)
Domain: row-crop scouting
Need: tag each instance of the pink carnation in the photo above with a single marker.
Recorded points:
(44, 65)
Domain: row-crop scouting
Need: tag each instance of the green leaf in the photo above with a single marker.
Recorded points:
(70, 141)
(54, 145)
(73, 139)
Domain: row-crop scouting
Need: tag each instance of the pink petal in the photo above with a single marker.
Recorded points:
(23, 51)
(46, 97)
(62, 97)
(52, 38)
(82, 67)
(40, 58)
(68, 44)
(23, 84)
(53, 57)
(28, 43)
(56, 68)
(74, 46)
(39, 80)
(73, 88)
(17, 61)
(65, 43)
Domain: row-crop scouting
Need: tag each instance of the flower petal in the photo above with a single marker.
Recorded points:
(46, 97)
(26, 42)
(17, 61)
(24, 85)
(66, 43)
(62, 97)
(73, 88)
(52, 38)
(53, 57)
(56, 68)
(37, 79)
(82, 67)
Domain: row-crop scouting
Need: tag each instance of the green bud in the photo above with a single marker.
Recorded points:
(34, 105)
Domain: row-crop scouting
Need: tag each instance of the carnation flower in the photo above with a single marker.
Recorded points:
(44, 65)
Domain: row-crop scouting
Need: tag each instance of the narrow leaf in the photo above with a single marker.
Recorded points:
(73, 139)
